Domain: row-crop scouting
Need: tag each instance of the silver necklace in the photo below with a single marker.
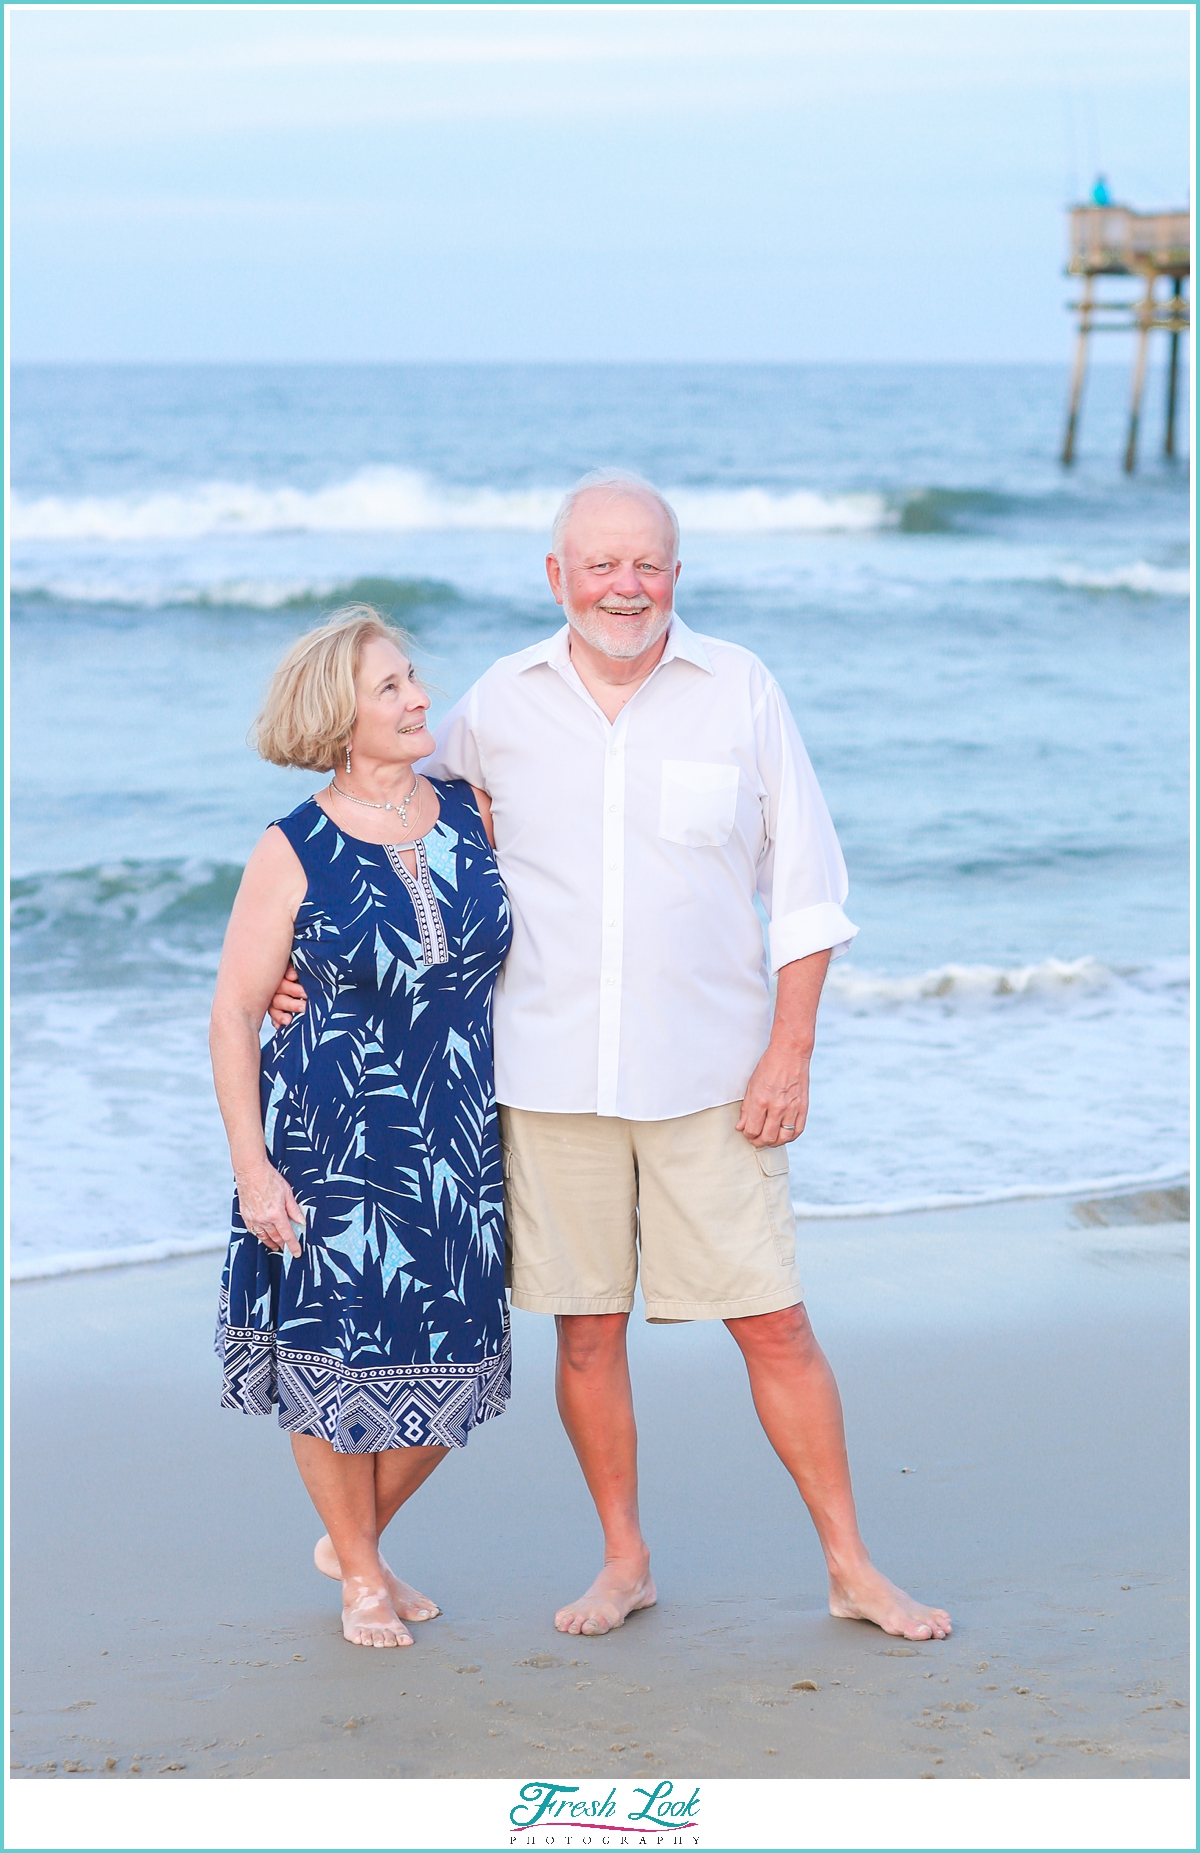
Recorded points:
(400, 809)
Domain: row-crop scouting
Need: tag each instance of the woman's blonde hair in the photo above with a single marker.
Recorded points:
(309, 710)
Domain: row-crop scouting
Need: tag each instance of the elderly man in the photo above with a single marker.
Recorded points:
(645, 784)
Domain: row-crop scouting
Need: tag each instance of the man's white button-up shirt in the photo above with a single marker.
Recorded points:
(632, 852)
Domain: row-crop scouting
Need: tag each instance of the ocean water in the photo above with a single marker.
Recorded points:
(988, 658)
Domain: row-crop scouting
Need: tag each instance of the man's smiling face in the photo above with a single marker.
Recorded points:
(616, 576)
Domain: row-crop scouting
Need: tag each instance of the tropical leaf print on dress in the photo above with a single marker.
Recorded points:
(391, 1329)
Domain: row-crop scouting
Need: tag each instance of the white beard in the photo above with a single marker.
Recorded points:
(616, 637)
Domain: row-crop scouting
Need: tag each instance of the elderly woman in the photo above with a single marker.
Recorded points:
(364, 1287)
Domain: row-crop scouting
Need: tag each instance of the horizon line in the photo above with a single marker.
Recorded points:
(1061, 360)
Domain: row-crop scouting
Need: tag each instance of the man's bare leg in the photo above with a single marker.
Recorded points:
(398, 1474)
(799, 1407)
(595, 1401)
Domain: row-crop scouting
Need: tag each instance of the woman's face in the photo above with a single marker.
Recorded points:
(390, 725)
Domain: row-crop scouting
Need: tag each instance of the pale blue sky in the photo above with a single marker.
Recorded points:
(573, 183)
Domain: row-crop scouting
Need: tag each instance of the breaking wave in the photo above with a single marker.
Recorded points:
(394, 595)
(939, 511)
(1147, 581)
(386, 500)
(120, 923)
(953, 985)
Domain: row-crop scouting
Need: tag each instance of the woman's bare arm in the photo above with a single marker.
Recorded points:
(257, 950)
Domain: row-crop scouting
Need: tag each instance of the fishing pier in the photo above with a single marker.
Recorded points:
(1113, 241)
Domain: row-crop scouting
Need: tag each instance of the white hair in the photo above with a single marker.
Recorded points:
(621, 482)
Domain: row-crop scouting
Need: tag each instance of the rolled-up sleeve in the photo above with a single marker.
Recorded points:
(802, 875)
(457, 754)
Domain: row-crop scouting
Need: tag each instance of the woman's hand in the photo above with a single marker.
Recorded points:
(268, 1207)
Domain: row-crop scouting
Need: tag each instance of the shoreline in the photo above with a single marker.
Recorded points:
(1171, 1182)
(1003, 1370)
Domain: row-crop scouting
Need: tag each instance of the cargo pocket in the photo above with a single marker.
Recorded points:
(777, 1192)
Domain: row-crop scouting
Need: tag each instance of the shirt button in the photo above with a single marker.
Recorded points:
(610, 981)
(613, 867)
(612, 807)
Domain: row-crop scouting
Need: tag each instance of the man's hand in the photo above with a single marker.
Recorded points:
(776, 1103)
(288, 1001)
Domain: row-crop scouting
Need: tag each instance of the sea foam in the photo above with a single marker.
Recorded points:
(88, 1260)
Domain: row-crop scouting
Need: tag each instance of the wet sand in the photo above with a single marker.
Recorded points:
(1016, 1390)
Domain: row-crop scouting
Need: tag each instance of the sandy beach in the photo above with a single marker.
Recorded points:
(1016, 1388)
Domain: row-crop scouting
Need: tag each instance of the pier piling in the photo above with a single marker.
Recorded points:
(1144, 313)
(1079, 372)
(1112, 241)
(1173, 375)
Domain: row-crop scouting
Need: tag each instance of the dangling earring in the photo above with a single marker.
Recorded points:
(347, 756)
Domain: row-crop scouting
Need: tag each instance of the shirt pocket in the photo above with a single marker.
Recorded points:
(699, 801)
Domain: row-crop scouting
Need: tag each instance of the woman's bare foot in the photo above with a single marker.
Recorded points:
(409, 1603)
(866, 1595)
(623, 1585)
(368, 1618)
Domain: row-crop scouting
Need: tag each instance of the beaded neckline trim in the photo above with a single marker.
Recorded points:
(435, 947)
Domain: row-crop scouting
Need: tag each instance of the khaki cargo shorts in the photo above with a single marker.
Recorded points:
(710, 1212)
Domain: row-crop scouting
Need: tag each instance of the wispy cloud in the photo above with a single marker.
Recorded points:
(92, 74)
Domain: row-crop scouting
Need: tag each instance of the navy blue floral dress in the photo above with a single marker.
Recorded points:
(391, 1329)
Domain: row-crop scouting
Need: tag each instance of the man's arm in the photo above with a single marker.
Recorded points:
(776, 1103)
(802, 881)
(802, 876)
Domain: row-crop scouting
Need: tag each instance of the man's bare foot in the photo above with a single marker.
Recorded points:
(866, 1595)
(409, 1603)
(623, 1585)
(368, 1618)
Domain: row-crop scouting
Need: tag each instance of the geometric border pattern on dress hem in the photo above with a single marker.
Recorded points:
(361, 1410)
